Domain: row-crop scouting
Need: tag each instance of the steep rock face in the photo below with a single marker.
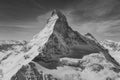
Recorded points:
(63, 41)
(30, 72)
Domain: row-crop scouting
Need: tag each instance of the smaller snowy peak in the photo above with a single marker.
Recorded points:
(111, 45)
(12, 42)
(90, 36)
(6, 45)
(111, 41)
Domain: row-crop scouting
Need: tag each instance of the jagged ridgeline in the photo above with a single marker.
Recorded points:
(65, 42)
(44, 52)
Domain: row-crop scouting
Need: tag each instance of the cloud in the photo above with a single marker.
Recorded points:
(109, 28)
(13, 29)
(113, 30)
(16, 32)
(21, 11)
(56, 4)
(13, 11)
(80, 10)
(96, 10)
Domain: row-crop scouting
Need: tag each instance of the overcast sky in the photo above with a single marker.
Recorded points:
(21, 19)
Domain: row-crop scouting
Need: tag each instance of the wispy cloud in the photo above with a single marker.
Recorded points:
(96, 10)
(14, 29)
(99, 17)
(113, 30)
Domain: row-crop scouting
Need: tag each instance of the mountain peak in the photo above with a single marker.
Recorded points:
(59, 14)
(90, 36)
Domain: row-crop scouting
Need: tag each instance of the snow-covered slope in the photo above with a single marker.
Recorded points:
(114, 49)
(57, 40)
(111, 45)
(15, 60)
(90, 67)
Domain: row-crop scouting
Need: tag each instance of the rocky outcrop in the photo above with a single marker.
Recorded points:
(30, 72)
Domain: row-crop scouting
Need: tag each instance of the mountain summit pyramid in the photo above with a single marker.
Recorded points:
(62, 41)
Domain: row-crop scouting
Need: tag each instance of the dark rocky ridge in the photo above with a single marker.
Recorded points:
(65, 42)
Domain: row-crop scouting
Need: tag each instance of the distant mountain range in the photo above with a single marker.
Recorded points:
(111, 45)
(59, 53)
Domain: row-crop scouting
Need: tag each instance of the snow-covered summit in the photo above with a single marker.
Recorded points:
(59, 14)
(90, 36)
